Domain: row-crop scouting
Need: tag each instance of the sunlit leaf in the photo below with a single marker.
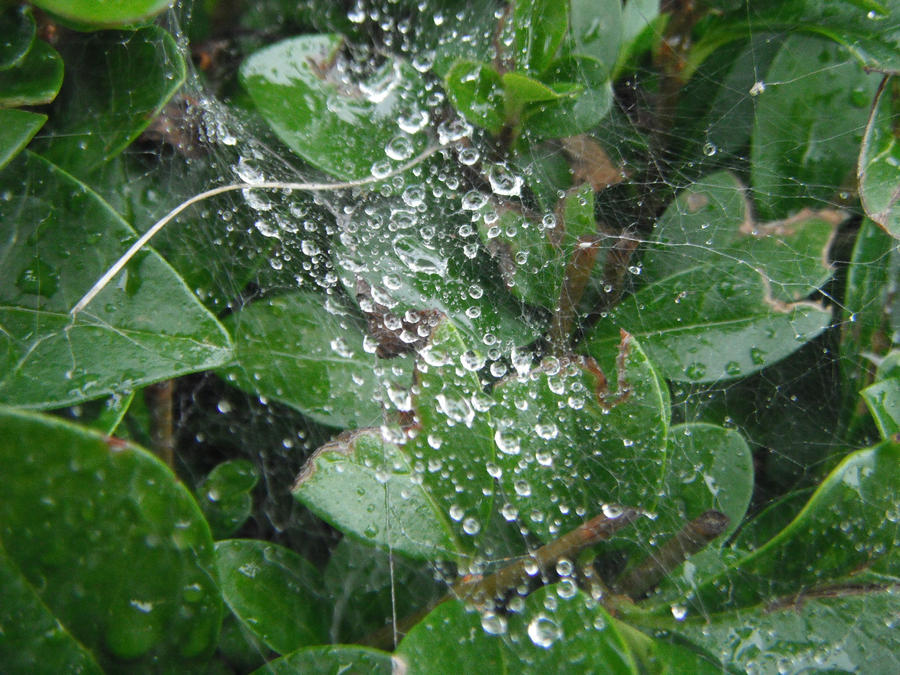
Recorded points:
(60, 237)
(91, 522)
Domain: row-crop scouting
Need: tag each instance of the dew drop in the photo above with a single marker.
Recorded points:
(543, 631)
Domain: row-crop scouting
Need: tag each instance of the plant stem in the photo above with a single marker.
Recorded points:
(159, 401)
(578, 273)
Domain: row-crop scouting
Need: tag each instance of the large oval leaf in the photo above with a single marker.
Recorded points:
(116, 548)
(879, 160)
(59, 238)
(340, 127)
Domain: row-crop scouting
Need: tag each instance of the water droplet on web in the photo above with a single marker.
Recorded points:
(758, 87)
(471, 526)
(474, 200)
(453, 130)
(266, 229)
(248, 173)
(493, 624)
(399, 148)
(612, 511)
(381, 169)
(507, 442)
(523, 488)
(468, 156)
(679, 612)
(224, 406)
(543, 631)
(709, 149)
(456, 513)
(695, 371)
(503, 181)
(413, 121)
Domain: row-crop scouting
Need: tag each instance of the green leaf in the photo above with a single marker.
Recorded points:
(368, 585)
(116, 548)
(849, 631)
(31, 638)
(596, 30)
(521, 89)
(331, 660)
(709, 467)
(642, 24)
(540, 26)
(17, 128)
(305, 351)
(578, 214)
(144, 327)
(771, 520)
(117, 82)
(567, 432)
(883, 399)
(18, 30)
(559, 629)
(270, 590)
(846, 526)
(570, 115)
(476, 91)
(365, 486)
(712, 323)
(35, 80)
(224, 496)
(879, 160)
(866, 328)
(339, 129)
(809, 124)
(107, 13)
(710, 224)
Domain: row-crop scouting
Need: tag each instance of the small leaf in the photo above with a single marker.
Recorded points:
(476, 91)
(366, 487)
(292, 348)
(521, 89)
(18, 30)
(144, 327)
(114, 544)
(596, 30)
(818, 96)
(575, 113)
(883, 399)
(110, 13)
(17, 128)
(879, 160)
(843, 528)
(224, 496)
(841, 631)
(116, 83)
(578, 214)
(540, 26)
(31, 638)
(270, 590)
(35, 80)
(331, 659)
(340, 129)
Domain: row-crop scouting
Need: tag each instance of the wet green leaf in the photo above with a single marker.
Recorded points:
(771, 520)
(116, 84)
(642, 23)
(578, 215)
(340, 129)
(271, 590)
(710, 324)
(331, 660)
(17, 127)
(18, 30)
(566, 432)
(367, 487)
(116, 548)
(476, 91)
(368, 585)
(107, 13)
(596, 30)
(31, 638)
(883, 399)
(577, 111)
(817, 94)
(849, 631)
(304, 350)
(224, 496)
(848, 524)
(455, 430)
(540, 26)
(708, 467)
(144, 327)
(33, 81)
(520, 89)
(879, 160)
(709, 223)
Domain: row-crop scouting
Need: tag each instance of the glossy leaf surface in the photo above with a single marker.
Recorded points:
(224, 496)
(35, 80)
(17, 127)
(879, 160)
(271, 590)
(91, 521)
(107, 13)
(144, 327)
(18, 30)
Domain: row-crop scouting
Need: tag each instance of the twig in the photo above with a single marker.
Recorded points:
(578, 273)
(103, 281)
(496, 587)
(159, 401)
(691, 538)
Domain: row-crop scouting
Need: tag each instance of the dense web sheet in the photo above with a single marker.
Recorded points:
(630, 306)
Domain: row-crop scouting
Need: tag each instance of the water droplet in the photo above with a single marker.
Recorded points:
(38, 278)
(758, 87)
(474, 200)
(471, 526)
(224, 406)
(695, 371)
(492, 623)
(709, 149)
(757, 356)
(679, 612)
(503, 181)
(399, 148)
(543, 631)
(733, 368)
(507, 442)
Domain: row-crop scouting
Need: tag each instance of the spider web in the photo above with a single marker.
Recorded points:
(351, 249)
